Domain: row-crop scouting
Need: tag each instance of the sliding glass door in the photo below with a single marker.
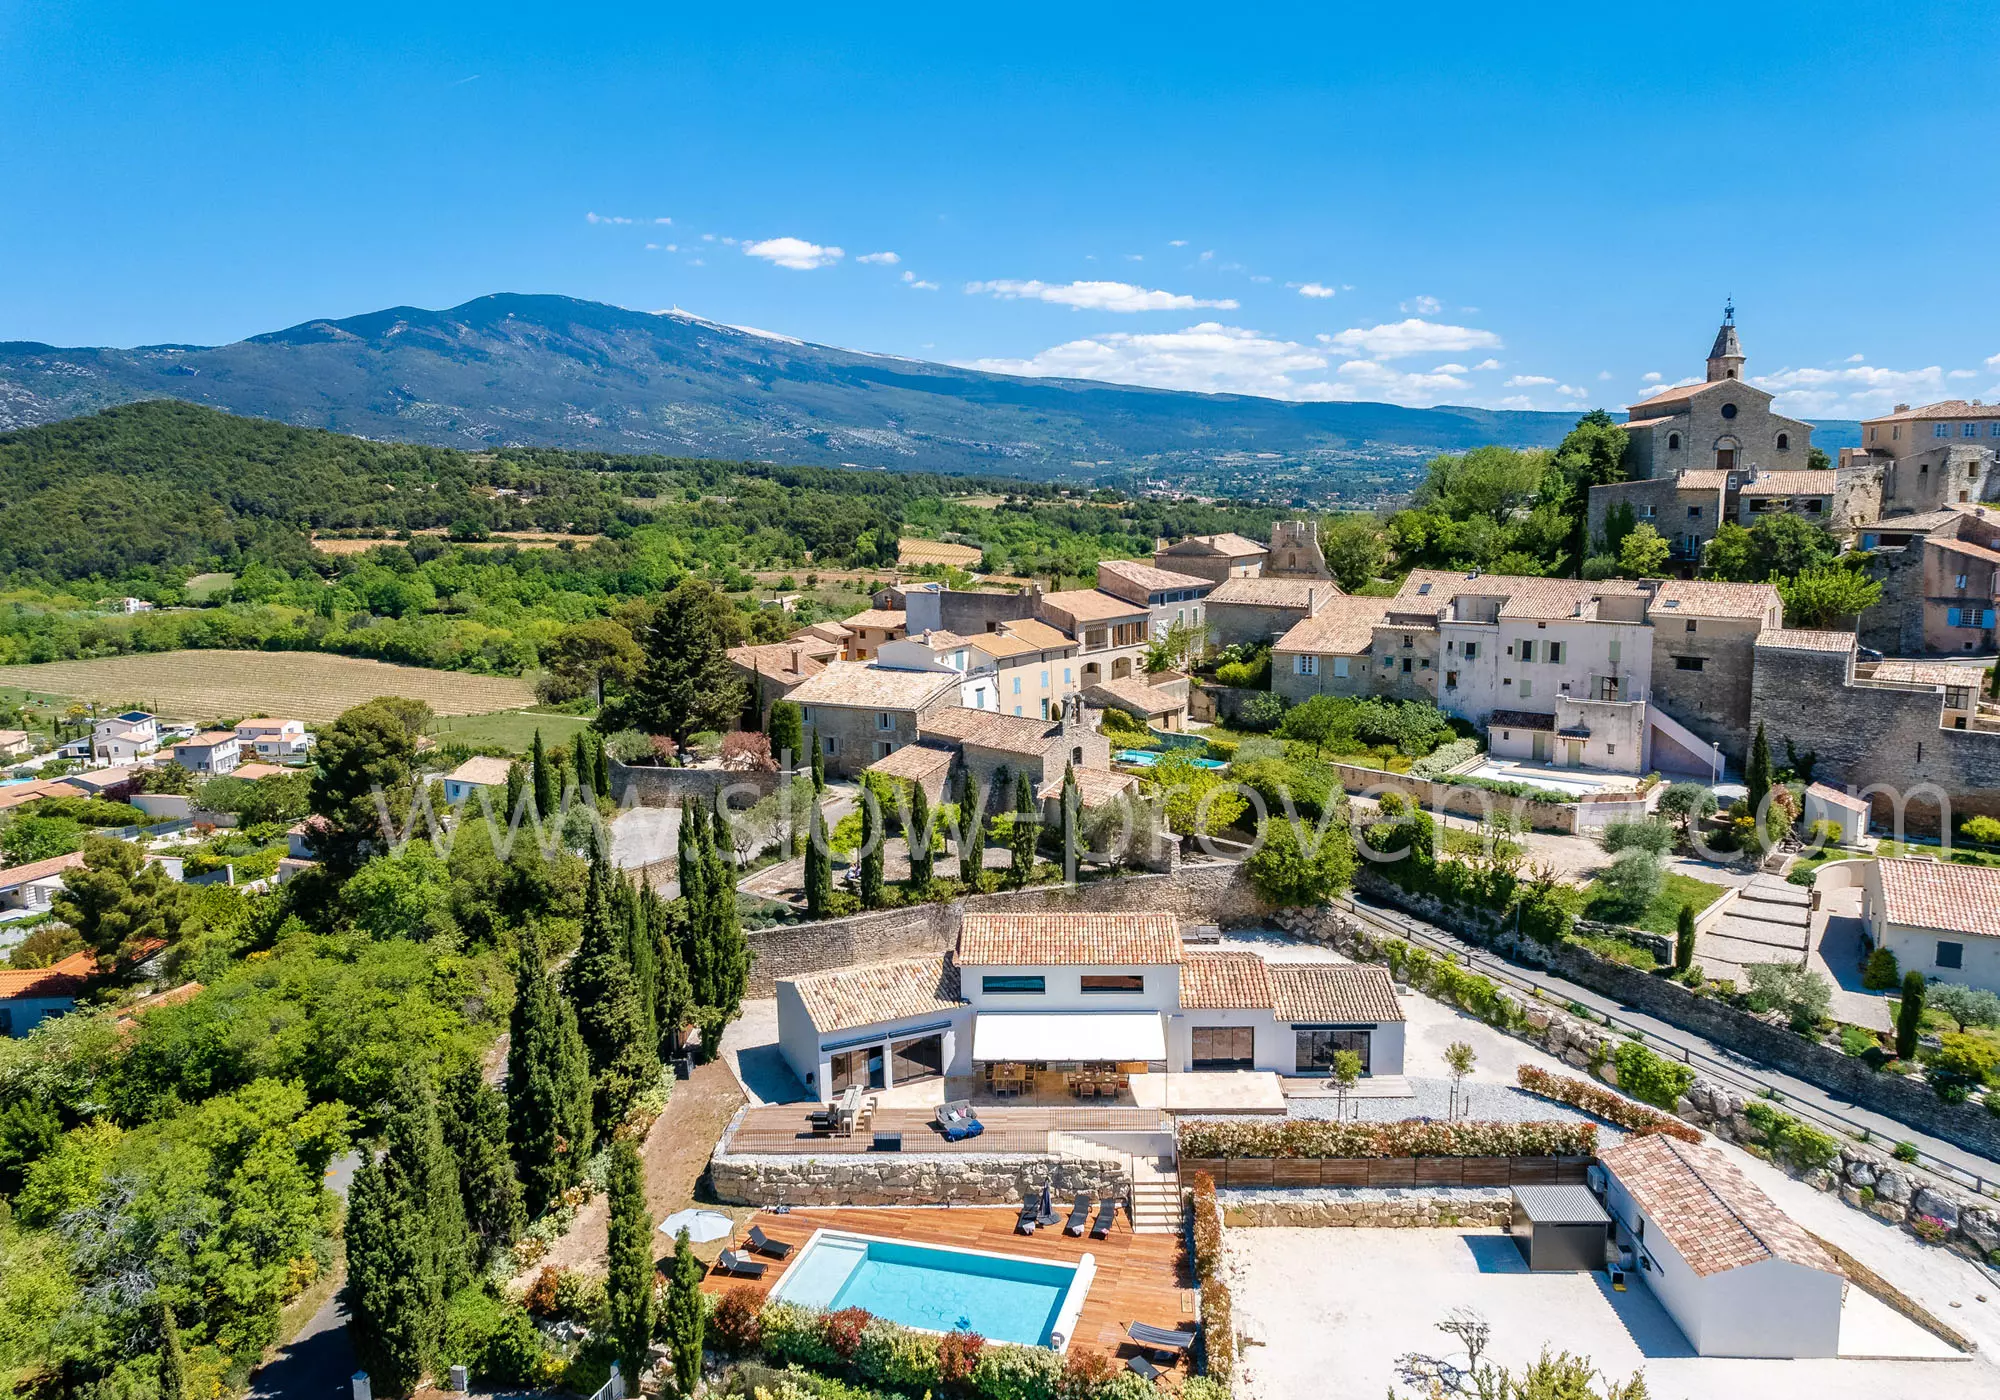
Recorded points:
(1316, 1049)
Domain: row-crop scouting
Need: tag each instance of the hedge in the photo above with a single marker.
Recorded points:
(1790, 1141)
(1651, 1078)
(1600, 1101)
(1218, 1326)
(1301, 1137)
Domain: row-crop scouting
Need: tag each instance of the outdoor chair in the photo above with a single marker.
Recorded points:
(1031, 1210)
(1142, 1368)
(733, 1263)
(956, 1121)
(1107, 1215)
(1079, 1214)
(1164, 1340)
(762, 1243)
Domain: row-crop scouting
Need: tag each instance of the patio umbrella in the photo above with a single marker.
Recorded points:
(701, 1225)
(1046, 1212)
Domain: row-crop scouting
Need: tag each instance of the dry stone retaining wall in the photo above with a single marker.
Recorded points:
(910, 1178)
(1443, 1208)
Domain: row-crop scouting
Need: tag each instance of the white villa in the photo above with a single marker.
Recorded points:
(1938, 919)
(1029, 1001)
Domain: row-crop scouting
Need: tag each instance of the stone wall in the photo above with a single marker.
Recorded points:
(1870, 736)
(1716, 701)
(910, 1178)
(1421, 1208)
(1459, 799)
(1218, 893)
(1895, 625)
(666, 787)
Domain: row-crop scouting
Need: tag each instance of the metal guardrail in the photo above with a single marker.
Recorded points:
(1414, 930)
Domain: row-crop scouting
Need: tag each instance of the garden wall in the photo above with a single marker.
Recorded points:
(1216, 894)
(652, 786)
(1458, 799)
(908, 1179)
(1439, 1208)
(1378, 1173)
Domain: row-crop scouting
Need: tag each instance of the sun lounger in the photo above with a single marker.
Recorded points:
(1161, 1339)
(1107, 1215)
(1142, 1368)
(733, 1263)
(1079, 1216)
(762, 1243)
(1030, 1217)
(956, 1121)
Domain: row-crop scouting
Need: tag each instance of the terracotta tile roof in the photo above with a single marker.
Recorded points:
(482, 771)
(1930, 672)
(1644, 422)
(1275, 592)
(1805, 639)
(1227, 543)
(784, 662)
(1131, 693)
(881, 619)
(1004, 646)
(1037, 633)
(1695, 597)
(1924, 523)
(1343, 626)
(1714, 1216)
(261, 726)
(65, 978)
(1799, 483)
(1701, 480)
(22, 793)
(1224, 981)
(1023, 734)
(1520, 719)
(1151, 579)
(1526, 595)
(13, 736)
(1358, 992)
(252, 772)
(1681, 392)
(208, 739)
(1947, 408)
(1090, 605)
(825, 631)
(1095, 787)
(921, 552)
(16, 875)
(1836, 797)
(916, 763)
(1965, 547)
(861, 685)
(861, 996)
(1033, 940)
(1931, 894)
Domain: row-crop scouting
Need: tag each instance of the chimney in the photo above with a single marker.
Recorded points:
(1902, 408)
(798, 659)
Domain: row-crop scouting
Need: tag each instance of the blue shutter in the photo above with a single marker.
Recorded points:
(1951, 617)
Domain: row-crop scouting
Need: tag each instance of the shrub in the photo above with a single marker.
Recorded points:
(1251, 674)
(1444, 758)
(1017, 1373)
(1640, 835)
(1304, 1137)
(1261, 711)
(1984, 830)
(1929, 1229)
(1801, 993)
(540, 1298)
(794, 1333)
(1879, 973)
(842, 1330)
(958, 1355)
(1857, 1042)
(1599, 1101)
(1967, 1058)
(1218, 1327)
(1969, 1006)
(1824, 834)
(1910, 1015)
(1632, 883)
(737, 1325)
(1684, 803)
(1649, 1077)
(1286, 874)
(897, 1356)
(1904, 1152)
(1794, 1143)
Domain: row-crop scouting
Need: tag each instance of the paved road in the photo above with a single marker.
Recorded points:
(319, 1362)
(1709, 1058)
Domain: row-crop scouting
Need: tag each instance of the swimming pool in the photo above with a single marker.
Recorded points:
(936, 1288)
(1146, 758)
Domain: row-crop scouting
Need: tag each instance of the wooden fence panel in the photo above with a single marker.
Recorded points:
(1392, 1171)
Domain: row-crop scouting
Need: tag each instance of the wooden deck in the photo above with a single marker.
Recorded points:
(1140, 1278)
(780, 1129)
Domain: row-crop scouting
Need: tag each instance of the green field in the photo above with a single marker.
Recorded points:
(203, 587)
(512, 730)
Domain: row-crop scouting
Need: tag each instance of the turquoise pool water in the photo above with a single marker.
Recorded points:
(1146, 758)
(1002, 1298)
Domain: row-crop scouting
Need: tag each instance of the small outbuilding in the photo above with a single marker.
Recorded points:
(1560, 1229)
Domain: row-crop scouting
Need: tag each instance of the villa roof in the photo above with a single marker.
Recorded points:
(1090, 605)
(882, 619)
(1133, 694)
(1946, 408)
(481, 771)
(917, 763)
(1526, 595)
(20, 794)
(1930, 672)
(1700, 597)
(862, 996)
(1095, 787)
(1343, 626)
(266, 725)
(1323, 991)
(1229, 543)
(1924, 523)
(984, 729)
(784, 662)
(1926, 893)
(1019, 639)
(65, 978)
(1275, 592)
(1701, 479)
(1715, 1217)
(14, 876)
(1520, 719)
(1107, 940)
(1805, 639)
(1794, 483)
(1224, 981)
(825, 631)
(208, 739)
(1965, 547)
(1034, 632)
(1148, 577)
(860, 685)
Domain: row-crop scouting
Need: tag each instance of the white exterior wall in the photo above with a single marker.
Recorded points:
(456, 790)
(800, 1042)
(1277, 1042)
(1064, 989)
(1478, 690)
(1853, 824)
(32, 894)
(1916, 948)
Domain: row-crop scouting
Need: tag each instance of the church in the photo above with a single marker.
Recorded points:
(1721, 424)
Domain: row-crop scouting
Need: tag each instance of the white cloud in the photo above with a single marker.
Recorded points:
(1857, 358)
(1573, 392)
(1177, 243)
(887, 259)
(794, 253)
(1422, 306)
(1209, 254)
(1852, 392)
(652, 247)
(1318, 290)
(1487, 364)
(1258, 277)
(1097, 296)
(1603, 375)
(1135, 257)
(1993, 362)
(1412, 337)
(1963, 374)
(1374, 380)
(917, 283)
(596, 218)
(708, 238)
(1449, 369)
(1652, 376)
(697, 262)
(663, 220)
(1528, 381)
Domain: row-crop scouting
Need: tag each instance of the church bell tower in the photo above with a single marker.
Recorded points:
(1725, 358)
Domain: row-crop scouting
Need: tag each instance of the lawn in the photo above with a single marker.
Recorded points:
(203, 587)
(1662, 916)
(1805, 867)
(512, 730)
(201, 686)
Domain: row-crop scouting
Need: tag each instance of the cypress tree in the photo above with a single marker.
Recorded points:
(548, 1086)
(818, 764)
(1757, 773)
(917, 836)
(475, 1130)
(1910, 1015)
(870, 854)
(173, 1360)
(624, 1054)
(728, 954)
(684, 1315)
(819, 865)
(517, 781)
(628, 1258)
(971, 831)
(639, 953)
(787, 735)
(586, 774)
(600, 765)
(1072, 808)
(673, 998)
(1684, 939)
(1021, 837)
(544, 780)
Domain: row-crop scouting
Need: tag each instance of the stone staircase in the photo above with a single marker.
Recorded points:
(1156, 1196)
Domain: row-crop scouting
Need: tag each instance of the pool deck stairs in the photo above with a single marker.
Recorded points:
(1156, 1196)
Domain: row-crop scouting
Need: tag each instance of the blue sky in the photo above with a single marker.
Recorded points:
(1529, 206)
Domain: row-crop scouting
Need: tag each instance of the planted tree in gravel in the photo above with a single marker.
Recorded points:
(1459, 1059)
(1345, 1073)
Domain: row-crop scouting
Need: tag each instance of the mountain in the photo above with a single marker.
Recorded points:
(552, 371)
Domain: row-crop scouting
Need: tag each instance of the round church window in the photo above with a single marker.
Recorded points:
(1729, 410)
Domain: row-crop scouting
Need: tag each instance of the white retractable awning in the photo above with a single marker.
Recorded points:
(1082, 1035)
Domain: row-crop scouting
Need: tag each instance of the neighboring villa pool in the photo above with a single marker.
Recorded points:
(1146, 758)
(1002, 1297)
